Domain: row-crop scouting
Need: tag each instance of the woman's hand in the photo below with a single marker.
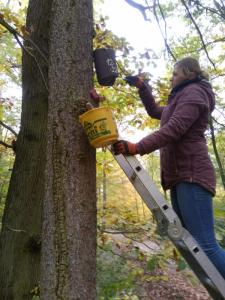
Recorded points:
(124, 147)
(134, 81)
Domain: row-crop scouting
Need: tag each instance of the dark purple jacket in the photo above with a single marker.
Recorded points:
(183, 149)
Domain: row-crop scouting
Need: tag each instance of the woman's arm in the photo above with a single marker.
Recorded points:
(187, 111)
(148, 100)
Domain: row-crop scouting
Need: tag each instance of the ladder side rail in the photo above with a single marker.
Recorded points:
(190, 250)
(141, 181)
(201, 265)
(214, 286)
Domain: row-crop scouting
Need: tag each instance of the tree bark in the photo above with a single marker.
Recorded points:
(69, 220)
(20, 241)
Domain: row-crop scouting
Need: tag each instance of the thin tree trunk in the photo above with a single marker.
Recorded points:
(69, 220)
(137, 208)
(213, 139)
(21, 230)
(104, 190)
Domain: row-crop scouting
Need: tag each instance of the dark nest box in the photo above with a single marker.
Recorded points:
(105, 66)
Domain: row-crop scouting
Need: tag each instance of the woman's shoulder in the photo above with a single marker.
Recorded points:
(193, 87)
(195, 93)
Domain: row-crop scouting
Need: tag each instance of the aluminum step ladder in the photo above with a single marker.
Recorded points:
(170, 224)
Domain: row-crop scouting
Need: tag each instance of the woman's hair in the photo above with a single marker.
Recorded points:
(190, 66)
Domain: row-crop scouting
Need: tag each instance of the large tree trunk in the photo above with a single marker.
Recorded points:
(69, 220)
(20, 236)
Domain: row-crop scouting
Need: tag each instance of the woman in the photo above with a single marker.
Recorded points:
(186, 168)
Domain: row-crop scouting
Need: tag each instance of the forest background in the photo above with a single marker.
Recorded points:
(126, 230)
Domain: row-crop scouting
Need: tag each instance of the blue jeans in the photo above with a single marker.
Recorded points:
(193, 205)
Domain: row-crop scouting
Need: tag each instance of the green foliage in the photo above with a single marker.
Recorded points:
(119, 205)
(219, 212)
(10, 60)
(35, 293)
(220, 143)
(114, 279)
(13, 13)
(181, 265)
(152, 263)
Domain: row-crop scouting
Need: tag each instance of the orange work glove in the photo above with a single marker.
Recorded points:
(124, 147)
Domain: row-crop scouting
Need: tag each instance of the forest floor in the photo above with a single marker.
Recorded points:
(178, 285)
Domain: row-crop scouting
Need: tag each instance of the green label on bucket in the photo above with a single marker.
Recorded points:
(96, 129)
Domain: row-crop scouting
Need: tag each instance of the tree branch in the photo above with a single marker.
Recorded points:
(148, 7)
(35, 59)
(9, 128)
(164, 20)
(214, 11)
(215, 120)
(15, 32)
(131, 94)
(199, 32)
(16, 35)
(140, 7)
(118, 231)
(219, 40)
(164, 37)
(217, 76)
(167, 45)
(220, 9)
(5, 144)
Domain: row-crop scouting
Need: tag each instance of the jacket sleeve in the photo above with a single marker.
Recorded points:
(152, 108)
(188, 109)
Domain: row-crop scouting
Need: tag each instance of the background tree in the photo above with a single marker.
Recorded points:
(20, 242)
